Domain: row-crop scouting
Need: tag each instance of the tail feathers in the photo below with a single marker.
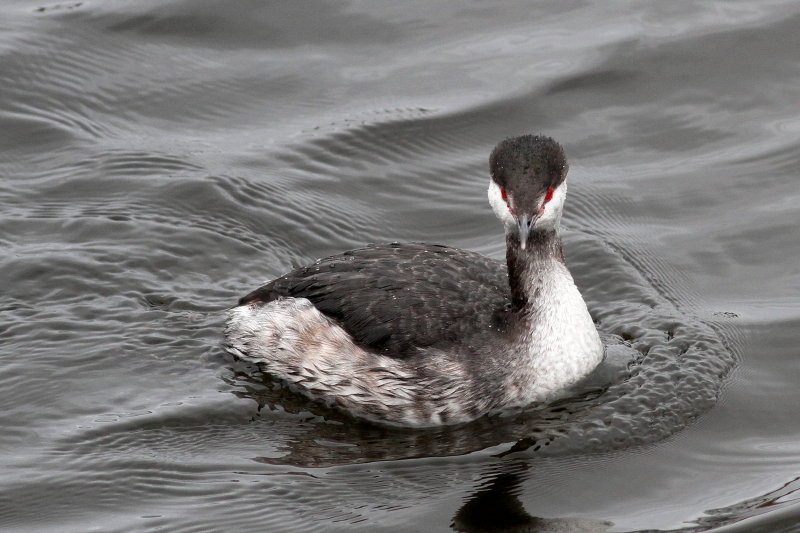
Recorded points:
(295, 342)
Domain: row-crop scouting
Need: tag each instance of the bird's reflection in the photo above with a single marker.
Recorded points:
(320, 437)
(496, 508)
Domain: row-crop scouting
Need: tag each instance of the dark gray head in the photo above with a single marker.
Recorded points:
(528, 184)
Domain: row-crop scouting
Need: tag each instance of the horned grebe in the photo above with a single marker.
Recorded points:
(424, 334)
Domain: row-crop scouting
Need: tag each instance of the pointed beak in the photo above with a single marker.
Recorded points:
(524, 225)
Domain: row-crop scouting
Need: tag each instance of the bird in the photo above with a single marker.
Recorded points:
(420, 335)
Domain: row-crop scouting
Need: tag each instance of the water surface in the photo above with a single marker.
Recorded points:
(160, 159)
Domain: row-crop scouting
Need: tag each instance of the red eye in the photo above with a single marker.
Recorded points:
(503, 193)
(549, 194)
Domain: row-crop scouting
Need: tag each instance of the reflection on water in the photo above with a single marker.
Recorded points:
(496, 508)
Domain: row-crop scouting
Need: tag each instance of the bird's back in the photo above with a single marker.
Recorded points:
(395, 298)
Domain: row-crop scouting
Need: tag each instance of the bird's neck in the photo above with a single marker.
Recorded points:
(529, 269)
(554, 336)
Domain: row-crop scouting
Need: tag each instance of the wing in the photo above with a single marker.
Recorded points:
(394, 298)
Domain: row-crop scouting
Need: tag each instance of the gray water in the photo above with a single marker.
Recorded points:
(161, 159)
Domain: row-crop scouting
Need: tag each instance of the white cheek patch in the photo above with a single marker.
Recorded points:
(552, 209)
(500, 207)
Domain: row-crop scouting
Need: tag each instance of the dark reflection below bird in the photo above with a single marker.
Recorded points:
(496, 508)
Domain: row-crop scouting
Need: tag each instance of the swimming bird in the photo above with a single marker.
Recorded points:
(425, 334)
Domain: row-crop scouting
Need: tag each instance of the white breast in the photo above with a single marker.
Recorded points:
(562, 345)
